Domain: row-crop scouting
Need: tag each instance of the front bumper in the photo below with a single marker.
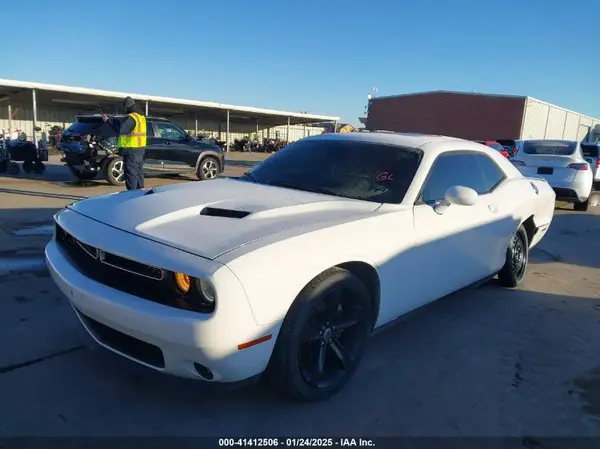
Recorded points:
(161, 337)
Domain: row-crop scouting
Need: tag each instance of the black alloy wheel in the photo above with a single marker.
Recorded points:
(323, 337)
(332, 339)
(517, 257)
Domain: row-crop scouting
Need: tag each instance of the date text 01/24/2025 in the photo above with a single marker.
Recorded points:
(295, 442)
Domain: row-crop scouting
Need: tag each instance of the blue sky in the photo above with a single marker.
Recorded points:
(313, 55)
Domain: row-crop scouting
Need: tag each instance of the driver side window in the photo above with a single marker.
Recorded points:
(169, 131)
(449, 170)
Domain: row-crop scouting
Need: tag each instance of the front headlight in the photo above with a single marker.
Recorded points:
(198, 294)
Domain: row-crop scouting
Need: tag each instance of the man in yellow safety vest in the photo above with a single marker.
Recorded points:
(131, 142)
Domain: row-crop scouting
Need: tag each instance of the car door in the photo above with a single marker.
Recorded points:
(499, 199)
(454, 245)
(152, 162)
(173, 149)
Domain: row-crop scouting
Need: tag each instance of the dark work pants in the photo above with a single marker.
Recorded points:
(133, 164)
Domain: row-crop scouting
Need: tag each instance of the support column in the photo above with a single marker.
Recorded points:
(146, 109)
(335, 125)
(227, 133)
(287, 137)
(9, 119)
(34, 116)
(304, 131)
(196, 124)
(257, 129)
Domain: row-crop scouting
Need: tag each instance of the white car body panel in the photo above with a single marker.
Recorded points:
(259, 263)
(171, 215)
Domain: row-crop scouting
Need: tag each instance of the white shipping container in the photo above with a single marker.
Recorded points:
(543, 120)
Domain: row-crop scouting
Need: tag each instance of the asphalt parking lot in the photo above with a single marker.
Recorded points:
(482, 362)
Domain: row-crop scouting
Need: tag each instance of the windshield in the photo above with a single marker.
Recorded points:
(346, 168)
(549, 147)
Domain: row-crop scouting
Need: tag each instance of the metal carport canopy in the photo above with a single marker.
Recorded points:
(10, 89)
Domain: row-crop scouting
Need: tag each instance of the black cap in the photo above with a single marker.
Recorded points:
(128, 102)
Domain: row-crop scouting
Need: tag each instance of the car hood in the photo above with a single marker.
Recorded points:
(210, 218)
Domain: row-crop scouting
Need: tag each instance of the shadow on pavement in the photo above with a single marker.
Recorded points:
(573, 238)
(234, 163)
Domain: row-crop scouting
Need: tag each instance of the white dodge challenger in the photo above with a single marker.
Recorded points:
(289, 269)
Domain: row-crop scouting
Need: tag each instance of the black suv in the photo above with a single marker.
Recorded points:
(89, 149)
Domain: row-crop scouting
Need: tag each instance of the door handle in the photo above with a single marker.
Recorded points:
(167, 143)
(493, 208)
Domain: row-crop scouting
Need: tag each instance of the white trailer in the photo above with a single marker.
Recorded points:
(543, 120)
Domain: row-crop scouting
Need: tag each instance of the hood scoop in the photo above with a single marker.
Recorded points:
(225, 213)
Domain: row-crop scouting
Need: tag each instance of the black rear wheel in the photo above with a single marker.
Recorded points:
(208, 168)
(323, 337)
(28, 166)
(39, 168)
(115, 171)
(582, 206)
(517, 258)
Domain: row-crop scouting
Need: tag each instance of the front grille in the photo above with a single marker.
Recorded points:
(122, 274)
(126, 344)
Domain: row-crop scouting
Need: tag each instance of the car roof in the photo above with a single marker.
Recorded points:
(150, 117)
(429, 143)
(552, 140)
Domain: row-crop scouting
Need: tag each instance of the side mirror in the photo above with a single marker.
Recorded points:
(459, 195)
(37, 129)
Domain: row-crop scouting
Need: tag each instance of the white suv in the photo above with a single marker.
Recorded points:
(562, 164)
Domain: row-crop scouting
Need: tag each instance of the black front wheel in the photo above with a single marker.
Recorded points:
(517, 257)
(323, 337)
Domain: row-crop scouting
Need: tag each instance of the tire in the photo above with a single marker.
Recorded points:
(82, 175)
(288, 369)
(582, 206)
(115, 173)
(208, 168)
(28, 166)
(39, 168)
(515, 268)
(13, 168)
